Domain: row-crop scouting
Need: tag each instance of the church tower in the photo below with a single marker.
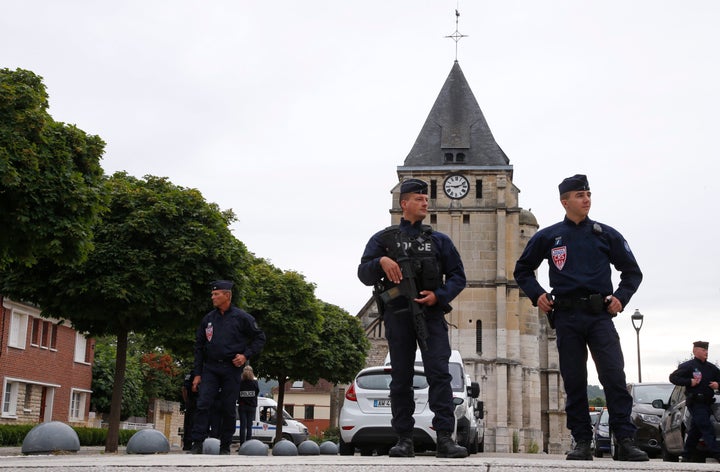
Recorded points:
(506, 347)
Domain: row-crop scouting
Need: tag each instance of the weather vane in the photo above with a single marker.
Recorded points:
(457, 36)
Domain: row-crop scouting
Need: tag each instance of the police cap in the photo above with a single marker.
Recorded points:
(414, 186)
(222, 285)
(702, 344)
(574, 183)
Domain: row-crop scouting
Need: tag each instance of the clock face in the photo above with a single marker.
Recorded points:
(456, 186)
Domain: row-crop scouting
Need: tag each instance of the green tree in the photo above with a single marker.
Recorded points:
(134, 402)
(285, 306)
(51, 182)
(342, 351)
(155, 252)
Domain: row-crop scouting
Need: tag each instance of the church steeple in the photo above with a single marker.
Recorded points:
(455, 132)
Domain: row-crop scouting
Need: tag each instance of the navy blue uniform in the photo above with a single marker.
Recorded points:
(247, 405)
(219, 338)
(579, 257)
(400, 330)
(698, 400)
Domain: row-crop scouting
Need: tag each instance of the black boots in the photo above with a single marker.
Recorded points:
(627, 451)
(581, 452)
(197, 448)
(446, 447)
(404, 447)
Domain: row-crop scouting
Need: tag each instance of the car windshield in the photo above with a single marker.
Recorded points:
(648, 393)
(381, 381)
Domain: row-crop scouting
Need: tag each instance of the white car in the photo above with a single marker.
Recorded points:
(365, 415)
(264, 425)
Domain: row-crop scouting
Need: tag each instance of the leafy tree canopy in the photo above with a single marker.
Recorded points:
(51, 182)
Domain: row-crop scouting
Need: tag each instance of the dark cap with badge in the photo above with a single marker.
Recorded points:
(573, 184)
(701, 344)
(222, 285)
(414, 186)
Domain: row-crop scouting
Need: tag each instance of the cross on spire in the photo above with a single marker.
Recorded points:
(457, 36)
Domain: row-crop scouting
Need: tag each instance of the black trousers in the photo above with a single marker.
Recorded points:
(219, 381)
(577, 332)
(400, 334)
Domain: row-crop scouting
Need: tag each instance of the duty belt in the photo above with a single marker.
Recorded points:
(593, 303)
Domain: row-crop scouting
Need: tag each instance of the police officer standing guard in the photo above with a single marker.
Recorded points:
(579, 252)
(226, 338)
(700, 378)
(439, 278)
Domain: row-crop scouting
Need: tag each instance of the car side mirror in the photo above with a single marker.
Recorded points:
(473, 390)
(659, 404)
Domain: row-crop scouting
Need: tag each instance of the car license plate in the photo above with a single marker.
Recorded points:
(383, 402)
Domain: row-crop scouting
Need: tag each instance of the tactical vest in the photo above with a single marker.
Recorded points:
(422, 252)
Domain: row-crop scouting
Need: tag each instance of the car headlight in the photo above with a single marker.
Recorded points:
(650, 419)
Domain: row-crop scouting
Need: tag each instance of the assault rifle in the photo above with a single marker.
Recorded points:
(408, 289)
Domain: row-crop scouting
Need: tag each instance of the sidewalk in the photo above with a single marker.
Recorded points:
(94, 460)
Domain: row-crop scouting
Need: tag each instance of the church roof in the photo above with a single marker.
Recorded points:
(456, 127)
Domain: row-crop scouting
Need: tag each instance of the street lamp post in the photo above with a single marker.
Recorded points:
(637, 322)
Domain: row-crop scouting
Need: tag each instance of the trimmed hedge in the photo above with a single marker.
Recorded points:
(14, 434)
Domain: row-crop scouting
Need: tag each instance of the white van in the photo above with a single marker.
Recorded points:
(264, 427)
(470, 427)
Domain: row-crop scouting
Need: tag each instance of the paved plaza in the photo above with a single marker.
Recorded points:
(95, 460)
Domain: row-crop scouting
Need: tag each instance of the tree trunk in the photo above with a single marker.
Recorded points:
(113, 437)
(334, 406)
(280, 418)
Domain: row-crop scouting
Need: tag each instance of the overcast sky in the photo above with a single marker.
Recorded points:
(297, 114)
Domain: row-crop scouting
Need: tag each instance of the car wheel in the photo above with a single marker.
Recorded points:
(481, 445)
(366, 451)
(346, 449)
(597, 452)
(382, 450)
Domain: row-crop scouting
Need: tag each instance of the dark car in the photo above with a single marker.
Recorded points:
(675, 423)
(601, 431)
(646, 417)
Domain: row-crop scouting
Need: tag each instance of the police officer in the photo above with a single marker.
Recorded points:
(700, 378)
(579, 252)
(226, 338)
(189, 402)
(436, 258)
(247, 402)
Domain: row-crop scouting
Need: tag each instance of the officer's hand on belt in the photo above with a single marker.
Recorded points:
(239, 360)
(195, 383)
(613, 305)
(391, 269)
(545, 303)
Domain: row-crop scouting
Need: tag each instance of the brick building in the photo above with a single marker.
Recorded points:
(45, 367)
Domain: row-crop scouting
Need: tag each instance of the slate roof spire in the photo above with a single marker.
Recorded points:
(455, 132)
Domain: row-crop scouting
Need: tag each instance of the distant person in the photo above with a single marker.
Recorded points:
(439, 278)
(583, 304)
(189, 402)
(247, 402)
(226, 338)
(700, 378)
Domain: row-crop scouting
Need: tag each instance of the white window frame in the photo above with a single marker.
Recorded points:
(18, 329)
(78, 400)
(81, 346)
(10, 397)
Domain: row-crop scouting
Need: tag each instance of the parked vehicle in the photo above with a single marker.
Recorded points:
(646, 417)
(265, 424)
(601, 433)
(675, 423)
(470, 429)
(365, 415)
